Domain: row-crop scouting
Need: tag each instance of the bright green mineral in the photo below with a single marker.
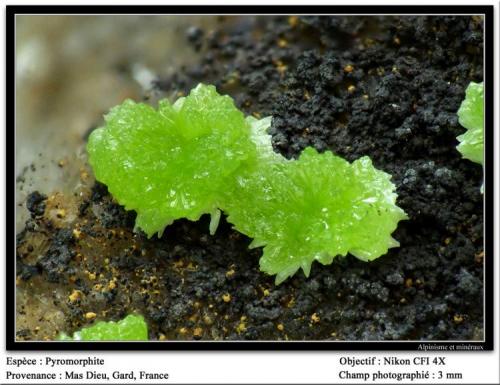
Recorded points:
(200, 155)
(471, 116)
(313, 209)
(172, 162)
(131, 328)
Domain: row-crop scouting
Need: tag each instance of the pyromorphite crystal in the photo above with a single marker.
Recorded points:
(172, 162)
(200, 155)
(131, 328)
(471, 116)
(313, 209)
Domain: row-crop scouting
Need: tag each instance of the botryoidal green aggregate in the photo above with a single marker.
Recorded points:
(200, 155)
(131, 328)
(471, 116)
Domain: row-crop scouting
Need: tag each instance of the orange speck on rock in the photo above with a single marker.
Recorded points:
(241, 327)
(280, 67)
(111, 285)
(282, 43)
(293, 21)
(75, 295)
(348, 68)
(61, 213)
(90, 315)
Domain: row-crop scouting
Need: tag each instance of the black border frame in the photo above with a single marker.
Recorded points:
(13, 10)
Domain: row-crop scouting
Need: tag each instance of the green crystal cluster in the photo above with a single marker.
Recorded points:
(313, 209)
(471, 116)
(200, 155)
(131, 328)
(174, 162)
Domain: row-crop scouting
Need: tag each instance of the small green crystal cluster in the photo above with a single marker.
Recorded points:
(171, 163)
(131, 328)
(471, 116)
(313, 209)
(200, 155)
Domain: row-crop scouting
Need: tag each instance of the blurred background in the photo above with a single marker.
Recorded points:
(70, 70)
